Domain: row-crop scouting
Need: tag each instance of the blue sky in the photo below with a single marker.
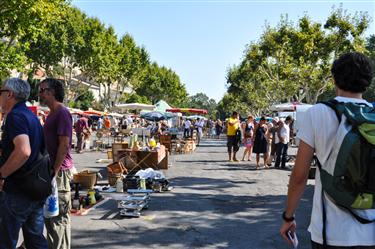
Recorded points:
(200, 40)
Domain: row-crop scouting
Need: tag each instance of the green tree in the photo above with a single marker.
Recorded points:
(369, 95)
(292, 62)
(135, 98)
(133, 62)
(98, 59)
(23, 20)
(55, 50)
(202, 101)
(161, 83)
(84, 100)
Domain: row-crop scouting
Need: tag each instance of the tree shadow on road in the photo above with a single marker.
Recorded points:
(200, 219)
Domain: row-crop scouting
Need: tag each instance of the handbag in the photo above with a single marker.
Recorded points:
(238, 136)
(36, 181)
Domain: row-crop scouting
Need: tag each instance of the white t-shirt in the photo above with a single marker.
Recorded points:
(187, 124)
(200, 125)
(342, 229)
(284, 133)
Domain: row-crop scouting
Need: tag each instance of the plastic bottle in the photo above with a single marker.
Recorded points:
(119, 186)
(91, 194)
(142, 183)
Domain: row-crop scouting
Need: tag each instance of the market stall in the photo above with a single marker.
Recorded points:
(135, 106)
(188, 110)
(137, 159)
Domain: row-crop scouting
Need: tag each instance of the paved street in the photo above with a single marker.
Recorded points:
(214, 204)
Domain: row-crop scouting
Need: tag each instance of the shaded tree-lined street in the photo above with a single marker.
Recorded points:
(214, 204)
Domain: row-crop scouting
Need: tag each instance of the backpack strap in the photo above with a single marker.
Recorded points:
(333, 103)
(358, 218)
(324, 216)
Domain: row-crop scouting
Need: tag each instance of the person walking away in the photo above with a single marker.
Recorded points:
(200, 124)
(100, 123)
(260, 142)
(352, 75)
(269, 137)
(80, 127)
(124, 123)
(232, 127)
(219, 128)
(273, 130)
(248, 138)
(22, 140)
(209, 125)
(58, 137)
(187, 125)
(282, 140)
(192, 128)
(107, 123)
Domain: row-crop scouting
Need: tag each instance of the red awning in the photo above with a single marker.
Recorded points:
(189, 110)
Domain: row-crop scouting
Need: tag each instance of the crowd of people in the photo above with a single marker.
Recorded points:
(269, 139)
(24, 140)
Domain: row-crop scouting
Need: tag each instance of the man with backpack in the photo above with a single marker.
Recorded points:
(339, 133)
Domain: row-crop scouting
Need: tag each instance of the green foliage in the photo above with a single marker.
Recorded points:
(292, 62)
(135, 98)
(59, 43)
(202, 101)
(84, 100)
(59, 38)
(369, 95)
(23, 20)
(132, 65)
(161, 83)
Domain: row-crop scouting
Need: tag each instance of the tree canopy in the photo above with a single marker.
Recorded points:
(67, 44)
(291, 62)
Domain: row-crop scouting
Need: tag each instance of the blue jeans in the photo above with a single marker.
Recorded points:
(18, 211)
(281, 153)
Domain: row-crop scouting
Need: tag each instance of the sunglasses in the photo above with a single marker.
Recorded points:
(41, 90)
(4, 90)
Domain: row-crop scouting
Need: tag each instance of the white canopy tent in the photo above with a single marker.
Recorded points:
(135, 106)
(289, 106)
(114, 114)
(196, 117)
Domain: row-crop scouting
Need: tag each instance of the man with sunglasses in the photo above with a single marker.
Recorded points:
(22, 139)
(58, 136)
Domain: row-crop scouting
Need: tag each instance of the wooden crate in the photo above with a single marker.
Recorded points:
(117, 149)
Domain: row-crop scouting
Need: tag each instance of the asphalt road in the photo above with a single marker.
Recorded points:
(214, 204)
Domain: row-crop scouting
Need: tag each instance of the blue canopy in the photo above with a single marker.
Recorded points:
(153, 116)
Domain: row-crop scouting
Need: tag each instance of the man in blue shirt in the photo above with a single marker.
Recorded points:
(22, 139)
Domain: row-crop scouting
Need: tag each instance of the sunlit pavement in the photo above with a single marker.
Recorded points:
(214, 204)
